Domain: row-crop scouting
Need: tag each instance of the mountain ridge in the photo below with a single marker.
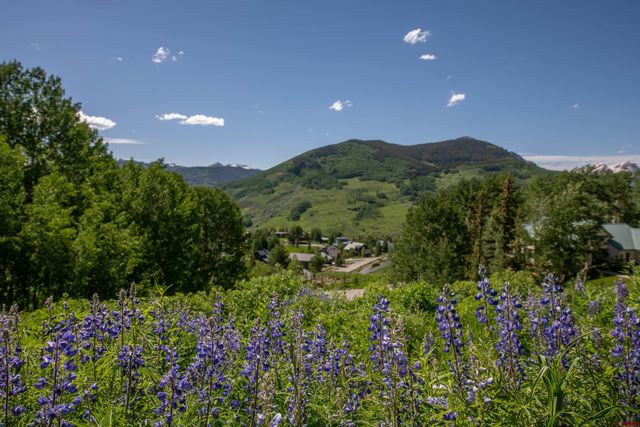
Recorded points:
(366, 185)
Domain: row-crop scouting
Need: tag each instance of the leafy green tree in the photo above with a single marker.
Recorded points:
(317, 263)
(36, 116)
(48, 235)
(566, 222)
(296, 234)
(434, 241)
(278, 256)
(12, 196)
(316, 235)
(108, 250)
(217, 239)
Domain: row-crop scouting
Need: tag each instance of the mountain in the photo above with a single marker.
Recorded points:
(599, 168)
(366, 187)
(210, 176)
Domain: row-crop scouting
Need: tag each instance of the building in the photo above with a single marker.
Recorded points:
(304, 259)
(623, 242)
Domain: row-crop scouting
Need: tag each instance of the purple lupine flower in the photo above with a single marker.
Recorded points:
(214, 355)
(171, 391)
(388, 357)
(561, 329)
(299, 375)
(58, 369)
(127, 314)
(487, 297)
(94, 332)
(594, 308)
(130, 361)
(451, 330)
(11, 384)
(579, 286)
(256, 362)
(627, 347)
(508, 345)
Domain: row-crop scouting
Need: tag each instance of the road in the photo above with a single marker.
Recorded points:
(354, 264)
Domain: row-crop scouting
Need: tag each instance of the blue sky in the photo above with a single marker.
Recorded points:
(253, 81)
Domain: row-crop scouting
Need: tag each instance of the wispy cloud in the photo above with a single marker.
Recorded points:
(455, 99)
(576, 106)
(161, 55)
(340, 105)
(428, 57)
(123, 141)
(416, 36)
(195, 120)
(171, 116)
(202, 120)
(96, 122)
(119, 58)
(568, 162)
(35, 45)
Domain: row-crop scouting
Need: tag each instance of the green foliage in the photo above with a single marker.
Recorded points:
(317, 263)
(74, 222)
(299, 209)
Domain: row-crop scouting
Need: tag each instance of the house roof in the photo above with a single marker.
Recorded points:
(623, 236)
(354, 246)
(301, 257)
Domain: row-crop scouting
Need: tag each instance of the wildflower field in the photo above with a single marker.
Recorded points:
(530, 352)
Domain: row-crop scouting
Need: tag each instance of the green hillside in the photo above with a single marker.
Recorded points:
(366, 187)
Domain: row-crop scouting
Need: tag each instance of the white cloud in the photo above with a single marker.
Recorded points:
(171, 116)
(575, 106)
(161, 55)
(562, 162)
(417, 36)
(123, 141)
(340, 105)
(428, 57)
(119, 58)
(456, 98)
(96, 122)
(202, 120)
(195, 120)
(449, 77)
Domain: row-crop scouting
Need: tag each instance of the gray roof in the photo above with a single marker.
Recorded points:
(623, 236)
(301, 257)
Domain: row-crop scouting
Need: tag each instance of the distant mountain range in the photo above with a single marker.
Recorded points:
(361, 186)
(211, 176)
(598, 168)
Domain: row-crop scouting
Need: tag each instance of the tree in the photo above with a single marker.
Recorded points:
(36, 116)
(12, 196)
(317, 263)
(217, 239)
(48, 236)
(278, 256)
(434, 241)
(316, 235)
(295, 234)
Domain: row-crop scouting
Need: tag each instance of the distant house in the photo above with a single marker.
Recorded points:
(330, 253)
(262, 255)
(623, 242)
(281, 234)
(304, 259)
(355, 247)
(341, 241)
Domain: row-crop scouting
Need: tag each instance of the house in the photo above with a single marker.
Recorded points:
(329, 253)
(262, 255)
(355, 247)
(623, 242)
(281, 234)
(341, 241)
(304, 259)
